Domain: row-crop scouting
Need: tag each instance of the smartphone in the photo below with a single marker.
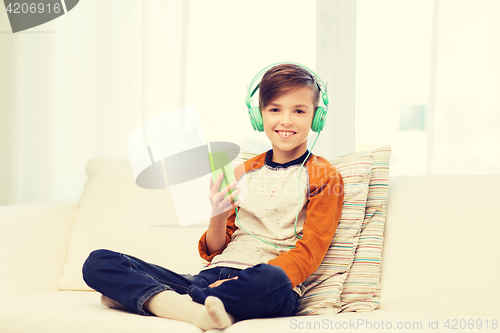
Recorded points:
(220, 162)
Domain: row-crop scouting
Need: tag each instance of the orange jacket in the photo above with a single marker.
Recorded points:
(324, 206)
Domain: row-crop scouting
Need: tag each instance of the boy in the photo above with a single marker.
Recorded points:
(259, 254)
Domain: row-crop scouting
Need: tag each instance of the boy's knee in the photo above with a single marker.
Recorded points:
(94, 263)
(276, 274)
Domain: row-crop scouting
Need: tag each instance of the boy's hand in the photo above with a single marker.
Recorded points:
(219, 282)
(221, 206)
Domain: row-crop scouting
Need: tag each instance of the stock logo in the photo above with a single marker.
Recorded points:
(26, 15)
(170, 150)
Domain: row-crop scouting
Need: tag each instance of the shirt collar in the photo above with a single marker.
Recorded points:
(272, 164)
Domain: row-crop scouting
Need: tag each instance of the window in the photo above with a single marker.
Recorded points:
(393, 52)
(228, 45)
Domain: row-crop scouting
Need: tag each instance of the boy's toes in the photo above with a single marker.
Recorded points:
(110, 303)
(217, 312)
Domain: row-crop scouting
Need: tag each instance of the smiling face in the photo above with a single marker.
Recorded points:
(287, 122)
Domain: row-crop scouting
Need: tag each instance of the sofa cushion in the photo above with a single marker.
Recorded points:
(81, 312)
(77, 312)
(441, 245)
(374, 321)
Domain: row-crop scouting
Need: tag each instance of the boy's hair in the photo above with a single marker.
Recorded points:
(284, 78)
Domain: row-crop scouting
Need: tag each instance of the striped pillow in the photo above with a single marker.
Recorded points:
(323, 287)
(361, 290)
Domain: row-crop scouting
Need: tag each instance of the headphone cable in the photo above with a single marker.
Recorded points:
(298, 209)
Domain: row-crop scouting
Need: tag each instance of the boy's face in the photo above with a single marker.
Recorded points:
(287, 122)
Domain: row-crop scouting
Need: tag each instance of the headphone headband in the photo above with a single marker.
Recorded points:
(250, 92)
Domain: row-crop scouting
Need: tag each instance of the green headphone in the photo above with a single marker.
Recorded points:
(321, 112)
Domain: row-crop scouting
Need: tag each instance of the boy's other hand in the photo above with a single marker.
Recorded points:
(220, 205)
(219, 282)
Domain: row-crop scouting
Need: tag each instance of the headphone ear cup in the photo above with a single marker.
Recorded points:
(256, 119)
(319, 120)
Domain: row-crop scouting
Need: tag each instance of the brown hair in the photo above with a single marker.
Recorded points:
(284, 78)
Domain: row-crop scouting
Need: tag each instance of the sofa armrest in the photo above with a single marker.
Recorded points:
(33, 246)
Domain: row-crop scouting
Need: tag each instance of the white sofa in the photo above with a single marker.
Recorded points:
(440, 268)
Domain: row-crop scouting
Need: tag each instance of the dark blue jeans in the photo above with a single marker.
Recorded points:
(261, 291)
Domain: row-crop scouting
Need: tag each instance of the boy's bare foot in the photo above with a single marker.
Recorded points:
(112, 303)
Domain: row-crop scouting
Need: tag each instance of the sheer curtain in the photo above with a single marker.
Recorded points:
(73, 89)
(76, 87)
(464, 127)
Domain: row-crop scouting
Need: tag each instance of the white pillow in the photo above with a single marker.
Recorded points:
(116, 214)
